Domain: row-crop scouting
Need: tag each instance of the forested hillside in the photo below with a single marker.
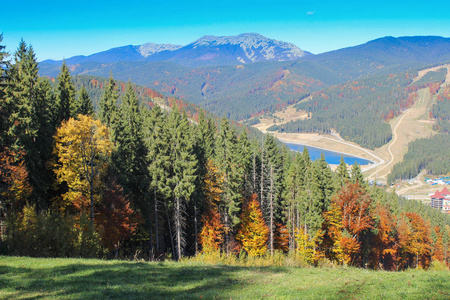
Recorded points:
(138, 181)
(430, 154)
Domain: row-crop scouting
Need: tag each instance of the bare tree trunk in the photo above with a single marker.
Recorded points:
(254, 172)
(227, 235)
(262, 178)
(156, 221)
(195, 227)
(178, 226)
(271, 211)
(170, 230)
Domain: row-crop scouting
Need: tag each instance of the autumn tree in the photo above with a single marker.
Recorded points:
(253, 232)
(82, 147)
(354, 204)
(415, 243)
(211, 235)
(116, 219)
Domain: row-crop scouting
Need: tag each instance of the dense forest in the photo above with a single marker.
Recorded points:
(360, 110)
(135, 180)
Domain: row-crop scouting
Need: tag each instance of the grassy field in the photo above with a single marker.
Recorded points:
(31, 278)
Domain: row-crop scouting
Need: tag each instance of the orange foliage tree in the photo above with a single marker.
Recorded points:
(354, 205)
(438, 250)
(384, 250)
(211, 235)
(253, 232)
(414, 242)
(14, 186)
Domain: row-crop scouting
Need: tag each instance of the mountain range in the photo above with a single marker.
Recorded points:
(207, 50)
(239, 76)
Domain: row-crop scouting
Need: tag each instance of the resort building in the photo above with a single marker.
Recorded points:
(441, 200)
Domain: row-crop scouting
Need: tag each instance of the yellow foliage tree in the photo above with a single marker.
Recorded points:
(253, 233)
(305, 250)
(211, 236)
(82, 148)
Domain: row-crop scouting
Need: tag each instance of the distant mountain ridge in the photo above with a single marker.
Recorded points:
(208, 50)
(239, 76)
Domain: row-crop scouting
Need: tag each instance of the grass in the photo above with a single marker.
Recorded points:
(33, 278)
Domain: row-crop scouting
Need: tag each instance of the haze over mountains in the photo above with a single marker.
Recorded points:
(238, 76)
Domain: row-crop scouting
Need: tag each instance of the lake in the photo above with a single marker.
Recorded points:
(331, 157)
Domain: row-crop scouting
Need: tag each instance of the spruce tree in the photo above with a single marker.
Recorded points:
(158, 157)
(4, 103)
(227, 160)
(357, 176)
(108, 103)
(274, 177)
(130, 155)
(183, 165)
(66, 95)
(84, 104)
(342, 175)
(204, 149)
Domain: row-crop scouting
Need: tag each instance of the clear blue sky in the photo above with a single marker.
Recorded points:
(62, 29)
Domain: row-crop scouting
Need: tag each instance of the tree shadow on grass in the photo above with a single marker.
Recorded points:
(128, 280)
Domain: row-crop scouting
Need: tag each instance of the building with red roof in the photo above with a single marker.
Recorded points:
(441, 200)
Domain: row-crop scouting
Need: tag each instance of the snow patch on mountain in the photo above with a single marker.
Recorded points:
(255, 46)
(151, 48)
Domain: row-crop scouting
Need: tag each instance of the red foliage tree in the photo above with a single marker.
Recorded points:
(116, 220)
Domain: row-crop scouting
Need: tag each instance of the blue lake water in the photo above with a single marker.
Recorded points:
(331, 157)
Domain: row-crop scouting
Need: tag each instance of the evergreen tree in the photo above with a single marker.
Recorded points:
(342, 175)
(130, 157)
(357, 176)
(108, 103)
(66, 95)
(84, 105)
(183, 166)
(274, 188)
(4, 103)
(158, 157)
(228, 162)
(204, 150)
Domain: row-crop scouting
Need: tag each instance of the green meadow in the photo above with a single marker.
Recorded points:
(60, 278)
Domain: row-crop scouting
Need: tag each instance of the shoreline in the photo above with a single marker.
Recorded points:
(372, 162)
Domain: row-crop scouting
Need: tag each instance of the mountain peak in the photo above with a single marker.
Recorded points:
(152, 48)
(256, 47)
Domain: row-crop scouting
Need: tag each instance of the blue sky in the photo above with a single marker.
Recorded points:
(62, 29)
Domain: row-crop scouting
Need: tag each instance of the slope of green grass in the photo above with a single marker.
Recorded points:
(32, 278)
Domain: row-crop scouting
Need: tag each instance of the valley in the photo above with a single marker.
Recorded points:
(413, 123)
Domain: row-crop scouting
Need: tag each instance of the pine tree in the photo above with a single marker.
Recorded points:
(66, 95)
(84, 105)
